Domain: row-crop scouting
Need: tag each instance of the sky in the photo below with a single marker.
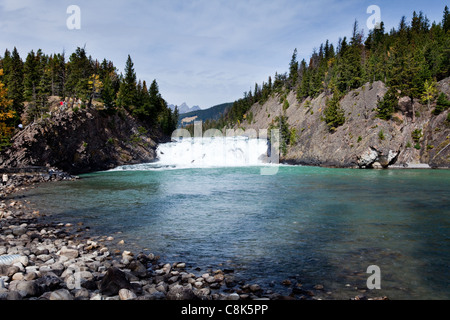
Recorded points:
(202, 52)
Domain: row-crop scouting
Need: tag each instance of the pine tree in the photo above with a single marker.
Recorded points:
(31, 76)
(334, 114)
(79, 71)
(441, 104)
(127, 91)
(446, 20)
(108, 95)
(386, 107)
(293, 70)
(15, 82)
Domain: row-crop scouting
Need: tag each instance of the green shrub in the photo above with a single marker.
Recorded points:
(142, 131)
(386, 107)
(417, 135)
(441, 104)
(381, 135)
(334, 115)
(359, 139)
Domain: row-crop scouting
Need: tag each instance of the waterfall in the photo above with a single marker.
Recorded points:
(213, 152)
(208, 153)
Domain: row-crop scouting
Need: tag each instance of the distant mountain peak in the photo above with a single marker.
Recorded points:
(184, 108)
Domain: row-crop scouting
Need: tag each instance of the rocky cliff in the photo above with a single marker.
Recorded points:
(364, 140)
(81, 141)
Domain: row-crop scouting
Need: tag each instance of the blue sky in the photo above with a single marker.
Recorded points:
(202, 52)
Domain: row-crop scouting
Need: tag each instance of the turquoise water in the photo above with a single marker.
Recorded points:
(310, 225)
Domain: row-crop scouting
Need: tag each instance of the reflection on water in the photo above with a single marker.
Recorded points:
(313, 225)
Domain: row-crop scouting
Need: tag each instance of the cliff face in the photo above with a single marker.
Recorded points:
(84, 141)
(364, 140)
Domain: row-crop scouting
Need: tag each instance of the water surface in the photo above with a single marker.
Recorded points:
(310, 225)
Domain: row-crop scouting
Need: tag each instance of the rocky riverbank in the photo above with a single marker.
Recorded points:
(42, 260)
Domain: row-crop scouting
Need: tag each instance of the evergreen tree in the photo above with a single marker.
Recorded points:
(334, 114)
(293, 70)
(31, 76)
(108, 95)
(386, 107)
(441, 104)
(15, 82)
(79, 72)
(446, 20)
(127, 91)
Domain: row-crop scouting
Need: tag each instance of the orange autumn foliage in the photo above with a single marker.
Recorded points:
(6, 113)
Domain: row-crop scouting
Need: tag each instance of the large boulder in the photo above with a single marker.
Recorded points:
(114, 281)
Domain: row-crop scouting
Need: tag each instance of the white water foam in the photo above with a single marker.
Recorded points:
(207, 153)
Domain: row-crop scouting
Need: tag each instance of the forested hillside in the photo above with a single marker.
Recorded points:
(409, 60)
(27, 87)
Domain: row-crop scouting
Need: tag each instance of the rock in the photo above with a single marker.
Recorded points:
(96, 297)
(18, 276)
(181, 265)
(113, 281)
(19, 231)
(126, 294)
(255, 288)
(173, 279)
(69, 253)
(219, 277)
(367, 159)
(179, 292)
(30, 276)
(210, 279)
(61, 294)
(13, 296)
(157, 296)
(203, 293)
(81, 294)
(286, 282)
(138, 269)
(318, 287)
(23, 260)
(233, 297)
(44, 257)
(25, 288)
(49, 282)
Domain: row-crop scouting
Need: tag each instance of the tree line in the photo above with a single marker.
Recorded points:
(26, 85)
(409, 59)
